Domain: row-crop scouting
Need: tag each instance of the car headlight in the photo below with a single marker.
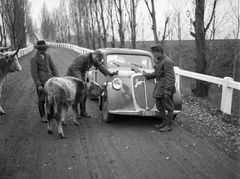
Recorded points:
(117, 84)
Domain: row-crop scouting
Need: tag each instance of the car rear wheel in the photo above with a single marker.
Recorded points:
(107, 117)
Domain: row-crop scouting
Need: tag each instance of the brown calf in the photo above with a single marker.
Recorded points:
(63, 92)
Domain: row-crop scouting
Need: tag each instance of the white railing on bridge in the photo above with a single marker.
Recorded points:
(227, 83)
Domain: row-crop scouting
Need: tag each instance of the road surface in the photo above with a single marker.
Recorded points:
(129, 148)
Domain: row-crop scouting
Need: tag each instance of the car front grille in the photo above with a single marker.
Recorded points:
(143, 92)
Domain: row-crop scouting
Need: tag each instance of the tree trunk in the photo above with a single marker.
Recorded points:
(103, 25)
(134, 24)
(202, 88)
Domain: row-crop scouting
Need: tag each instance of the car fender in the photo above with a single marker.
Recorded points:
(177, 98)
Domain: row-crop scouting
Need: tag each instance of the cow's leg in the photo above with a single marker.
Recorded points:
(62, 113)
(50, 112)
(75, 113)
(1, 109)
(63, 118)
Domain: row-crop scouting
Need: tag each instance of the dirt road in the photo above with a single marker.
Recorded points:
(129, 148)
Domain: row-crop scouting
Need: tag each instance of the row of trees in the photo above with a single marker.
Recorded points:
(15, 22)
(111, 23)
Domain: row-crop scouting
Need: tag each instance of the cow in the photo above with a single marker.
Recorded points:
(8, 63)
(61, 92)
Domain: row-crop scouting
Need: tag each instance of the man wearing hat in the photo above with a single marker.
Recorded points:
(42, 68)
(164, 87)
(81, 65)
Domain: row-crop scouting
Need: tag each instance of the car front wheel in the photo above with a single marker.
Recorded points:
(107, 117)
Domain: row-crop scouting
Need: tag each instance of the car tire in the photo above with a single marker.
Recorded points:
(107, 117)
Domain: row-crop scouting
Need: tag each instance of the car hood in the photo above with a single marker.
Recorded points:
(128, 71)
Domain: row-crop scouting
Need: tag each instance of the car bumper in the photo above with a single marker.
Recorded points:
(138, 113)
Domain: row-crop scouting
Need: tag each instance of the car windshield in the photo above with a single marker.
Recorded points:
(123, 60)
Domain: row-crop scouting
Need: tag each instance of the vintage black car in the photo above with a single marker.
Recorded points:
(128, 93)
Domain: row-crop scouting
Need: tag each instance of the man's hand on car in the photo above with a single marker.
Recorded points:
(113, 73)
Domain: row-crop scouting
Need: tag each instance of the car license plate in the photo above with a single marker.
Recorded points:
(147, 113)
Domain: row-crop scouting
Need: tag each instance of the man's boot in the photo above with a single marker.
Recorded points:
(83, 110)
(168, 127)
(163, 116)
(41, 109)
(170, 118)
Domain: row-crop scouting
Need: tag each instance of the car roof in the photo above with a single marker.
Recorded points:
(124, 51)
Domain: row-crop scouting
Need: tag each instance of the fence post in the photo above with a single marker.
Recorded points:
(226, 101)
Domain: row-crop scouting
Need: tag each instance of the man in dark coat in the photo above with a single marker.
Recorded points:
(81, 65)
(164, 87)
(42, 68)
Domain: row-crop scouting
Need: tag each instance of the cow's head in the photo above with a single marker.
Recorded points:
(12, 60)
(93, 90)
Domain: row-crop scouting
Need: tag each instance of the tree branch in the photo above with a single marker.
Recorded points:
(213, 12)
(148, 7)
(193, 34)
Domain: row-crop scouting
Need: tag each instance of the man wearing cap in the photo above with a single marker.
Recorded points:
(42, 68)
(164, 87)
(81, 65)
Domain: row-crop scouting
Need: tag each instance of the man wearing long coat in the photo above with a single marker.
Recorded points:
(164, 87)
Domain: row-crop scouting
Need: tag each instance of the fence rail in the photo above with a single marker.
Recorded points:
(24, 51)
(227, 83)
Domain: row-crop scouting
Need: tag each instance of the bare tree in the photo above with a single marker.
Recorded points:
(132, 20)
(3, 35)
(202, 88)
(87, 25)
(93, 34)
(165, 33)
(29, 21)
(14, 20)
(75, 14)
(153, 16)
(120, 20)
(45, 22)
(111, 21)
(103, 6)
(97, 12)
(236, 33)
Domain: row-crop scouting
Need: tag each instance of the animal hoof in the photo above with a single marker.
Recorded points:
(76, 123)
(62, 136)
(2, 113)
(50, 132)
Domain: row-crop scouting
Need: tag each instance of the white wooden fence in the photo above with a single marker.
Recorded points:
(69, 46)
(24, 51)
(227, 82)
(227, 86)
